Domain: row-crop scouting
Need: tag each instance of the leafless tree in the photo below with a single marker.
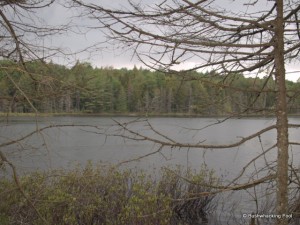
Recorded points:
(22, 39)
(25, 37)
(24, 31)
(259, 36)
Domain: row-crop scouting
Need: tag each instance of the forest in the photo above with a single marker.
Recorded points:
(53, 88)
(82, 88)
(234, 57)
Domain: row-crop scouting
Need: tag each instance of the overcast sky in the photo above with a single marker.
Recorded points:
(106, 54)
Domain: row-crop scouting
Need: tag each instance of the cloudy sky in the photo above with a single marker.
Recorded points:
(107, 55)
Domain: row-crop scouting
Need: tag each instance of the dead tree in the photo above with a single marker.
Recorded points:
(259, 36)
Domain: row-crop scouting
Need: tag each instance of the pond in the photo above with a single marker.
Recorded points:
(72, 140)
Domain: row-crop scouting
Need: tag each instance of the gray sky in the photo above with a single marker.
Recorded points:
(78, 39)
(107, 55)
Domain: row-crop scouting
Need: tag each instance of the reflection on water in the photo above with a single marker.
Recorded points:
(63, 146)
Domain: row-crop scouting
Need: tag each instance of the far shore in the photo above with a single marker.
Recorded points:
(180, 115)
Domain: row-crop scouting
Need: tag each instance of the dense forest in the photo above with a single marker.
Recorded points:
(53, 88)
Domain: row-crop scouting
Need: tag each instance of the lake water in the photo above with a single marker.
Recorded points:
(100, 139)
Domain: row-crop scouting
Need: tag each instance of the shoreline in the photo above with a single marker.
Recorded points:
(144, 115)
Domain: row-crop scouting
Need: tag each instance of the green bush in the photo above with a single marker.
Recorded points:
(104, 195)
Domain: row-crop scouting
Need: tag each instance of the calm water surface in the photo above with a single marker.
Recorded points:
(63, 147)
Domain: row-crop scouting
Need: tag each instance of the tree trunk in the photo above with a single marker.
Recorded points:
(282, 121)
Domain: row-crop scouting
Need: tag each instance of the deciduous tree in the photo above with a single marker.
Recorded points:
(260, 36)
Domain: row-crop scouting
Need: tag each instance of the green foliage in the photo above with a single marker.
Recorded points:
(53, 88)
(100, 195)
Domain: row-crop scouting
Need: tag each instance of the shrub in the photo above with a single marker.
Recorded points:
(105, 195)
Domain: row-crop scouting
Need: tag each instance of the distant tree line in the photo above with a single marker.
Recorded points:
(53, 88)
